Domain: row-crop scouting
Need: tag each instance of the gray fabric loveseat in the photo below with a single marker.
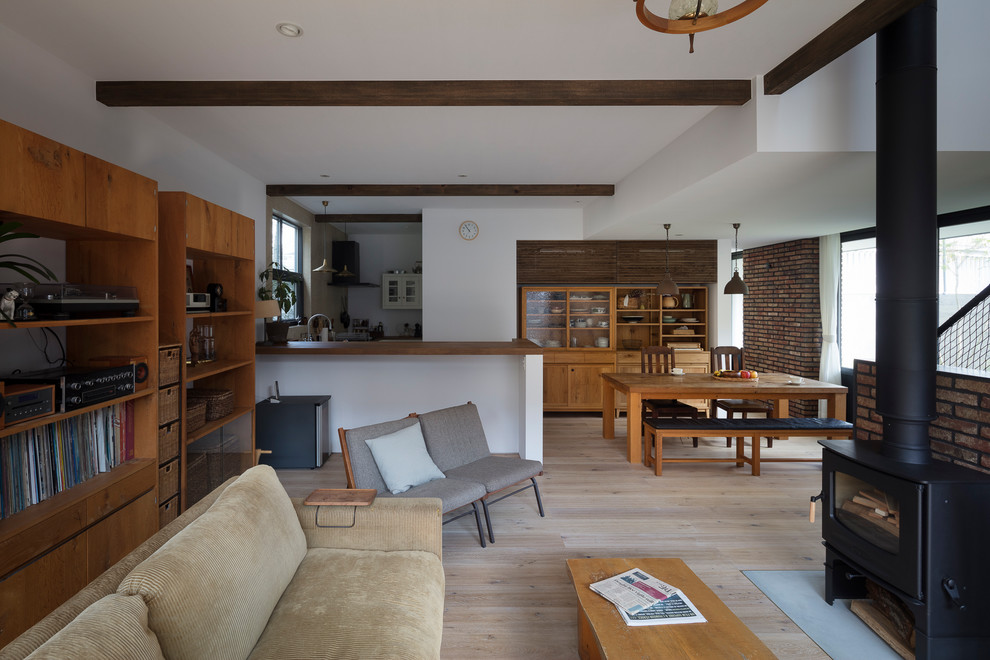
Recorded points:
(251, 573)
(464, 471)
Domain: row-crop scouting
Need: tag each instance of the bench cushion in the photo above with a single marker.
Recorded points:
(759, 424)
(453, 493)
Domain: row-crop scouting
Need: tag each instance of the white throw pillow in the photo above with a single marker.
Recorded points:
(402, 459)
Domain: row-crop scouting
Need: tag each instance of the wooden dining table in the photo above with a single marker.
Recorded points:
(769, 386)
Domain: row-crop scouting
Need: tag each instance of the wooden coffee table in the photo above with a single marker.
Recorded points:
(603, 634)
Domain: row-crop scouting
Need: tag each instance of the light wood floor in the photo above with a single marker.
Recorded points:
(514, 599)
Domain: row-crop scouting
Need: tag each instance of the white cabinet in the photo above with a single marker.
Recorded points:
(402, 291)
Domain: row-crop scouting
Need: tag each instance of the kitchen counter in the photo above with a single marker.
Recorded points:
(403, 347)
(374, 381)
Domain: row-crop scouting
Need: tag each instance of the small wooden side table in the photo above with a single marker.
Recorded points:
(353, 497)
(603, 634)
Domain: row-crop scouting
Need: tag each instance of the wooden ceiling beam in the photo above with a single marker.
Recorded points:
(192, 93)
(439, 190)
(845, 34)
(370, 217)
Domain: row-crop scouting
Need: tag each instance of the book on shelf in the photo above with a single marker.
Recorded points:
(45, 460)
(643, 600)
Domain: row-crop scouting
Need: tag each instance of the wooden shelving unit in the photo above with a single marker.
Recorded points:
(218, 246)
(107, 218)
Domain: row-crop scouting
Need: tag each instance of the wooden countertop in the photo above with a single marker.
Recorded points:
(399, 347)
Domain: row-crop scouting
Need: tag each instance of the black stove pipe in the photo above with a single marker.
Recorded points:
(907, 233)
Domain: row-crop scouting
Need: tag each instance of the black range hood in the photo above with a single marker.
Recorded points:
(346, 253)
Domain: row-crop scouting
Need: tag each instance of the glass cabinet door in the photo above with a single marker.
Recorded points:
(545, 317)
(589, 318)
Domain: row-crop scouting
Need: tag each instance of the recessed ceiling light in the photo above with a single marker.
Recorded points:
(462, 176)
(324, 176)
(289, 30)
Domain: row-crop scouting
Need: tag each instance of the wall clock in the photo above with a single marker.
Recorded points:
(469, 230)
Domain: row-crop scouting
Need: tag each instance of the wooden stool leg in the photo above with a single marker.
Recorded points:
(648, 438)
(756, 456)
(659, 461)
(740, 445)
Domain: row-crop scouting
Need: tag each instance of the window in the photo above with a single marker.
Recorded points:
(964, 270)
(287, 251)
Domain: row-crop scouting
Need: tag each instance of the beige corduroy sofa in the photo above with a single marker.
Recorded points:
(251, 573)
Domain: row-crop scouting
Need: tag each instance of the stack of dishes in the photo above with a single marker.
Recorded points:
(551, 343)
(690, 319)
(668, 319)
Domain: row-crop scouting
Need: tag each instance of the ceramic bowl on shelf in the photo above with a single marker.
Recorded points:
(632, 319)
(551, 343)
(598, 310)
(669, 319)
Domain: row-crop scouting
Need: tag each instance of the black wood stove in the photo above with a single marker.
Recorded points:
(917, 528)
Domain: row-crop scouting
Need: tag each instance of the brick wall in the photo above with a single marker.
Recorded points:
(960, 435)
(782, 329)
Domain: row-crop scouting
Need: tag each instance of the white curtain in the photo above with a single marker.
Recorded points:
(829, 264)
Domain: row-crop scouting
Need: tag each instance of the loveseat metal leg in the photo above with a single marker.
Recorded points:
(477, 519)
(488, 520)
(539, 502)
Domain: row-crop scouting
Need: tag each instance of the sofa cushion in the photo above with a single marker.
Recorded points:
(358, 604)
(454, 436)
(366, 474)
(212, 587)
(113, 628)
(453, 493)
(402, 459)
(497, 472)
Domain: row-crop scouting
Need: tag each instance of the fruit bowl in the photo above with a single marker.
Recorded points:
(738, 376)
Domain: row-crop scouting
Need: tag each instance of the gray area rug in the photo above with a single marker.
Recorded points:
(840, 633)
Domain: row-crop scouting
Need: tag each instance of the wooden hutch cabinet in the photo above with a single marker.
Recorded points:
(587, 331)
(58, 537)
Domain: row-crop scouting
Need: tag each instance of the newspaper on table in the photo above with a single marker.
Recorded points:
(643, 600)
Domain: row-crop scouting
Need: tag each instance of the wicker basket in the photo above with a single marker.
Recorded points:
(169, 365)
(168, 404)
(168, 480)
(219, 403)
(195, 415)
(168, 442)
(168, 512)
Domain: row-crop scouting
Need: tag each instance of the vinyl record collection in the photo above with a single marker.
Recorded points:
(43, 461)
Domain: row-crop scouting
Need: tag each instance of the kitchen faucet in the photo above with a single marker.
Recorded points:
(309, 325)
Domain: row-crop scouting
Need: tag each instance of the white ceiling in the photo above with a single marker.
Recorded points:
(468, 39)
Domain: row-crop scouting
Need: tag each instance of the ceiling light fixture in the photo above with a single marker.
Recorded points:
(325, 267)
(667, 287)
(736, 286)
(690, 16)
(289, 30)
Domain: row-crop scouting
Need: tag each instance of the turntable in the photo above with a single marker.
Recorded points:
(62, 300)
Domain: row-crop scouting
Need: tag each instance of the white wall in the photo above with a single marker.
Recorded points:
(469, 287)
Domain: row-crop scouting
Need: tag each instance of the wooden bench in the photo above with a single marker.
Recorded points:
(778, 427)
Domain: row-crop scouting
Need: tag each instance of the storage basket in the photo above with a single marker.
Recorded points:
(195, 415)
(168, 404)
(168, 442)
(219, 403)
(168, 512)
(169, 365)
(168, 480)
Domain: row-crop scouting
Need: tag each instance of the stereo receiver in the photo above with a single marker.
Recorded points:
(78, 387)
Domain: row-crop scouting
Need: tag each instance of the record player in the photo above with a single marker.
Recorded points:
(62, 300)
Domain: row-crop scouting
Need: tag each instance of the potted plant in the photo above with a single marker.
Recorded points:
(24, 266)
(273, 287)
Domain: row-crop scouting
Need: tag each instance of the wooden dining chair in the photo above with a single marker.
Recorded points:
(660, 360)
(733, 358)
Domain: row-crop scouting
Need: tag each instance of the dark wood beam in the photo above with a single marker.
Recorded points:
(370, 217)
(422, 92)
(843, 35)
(439, 190)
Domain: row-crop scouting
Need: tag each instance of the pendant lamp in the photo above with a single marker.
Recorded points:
(667, 287)
(736, 286)
(346, 272)
(325, 267)
(691, 16)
